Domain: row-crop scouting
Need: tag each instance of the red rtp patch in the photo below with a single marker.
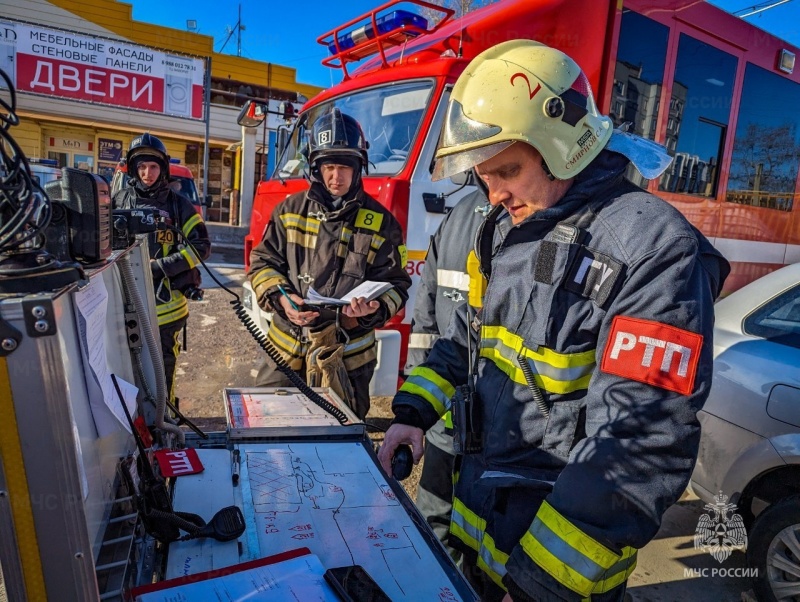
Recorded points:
(652, 353)
(177, 462)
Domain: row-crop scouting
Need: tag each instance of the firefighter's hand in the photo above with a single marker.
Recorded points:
(156, 269)
(360, 307)
(296, 316)
(508, 598)
(397, 434)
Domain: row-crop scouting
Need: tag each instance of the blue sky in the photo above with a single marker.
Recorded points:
(286, 33)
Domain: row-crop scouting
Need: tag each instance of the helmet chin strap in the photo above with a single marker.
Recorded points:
(546, 169)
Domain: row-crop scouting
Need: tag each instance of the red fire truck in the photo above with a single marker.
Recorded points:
(721, 95)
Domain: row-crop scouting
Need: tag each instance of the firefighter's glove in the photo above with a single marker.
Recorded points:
(325, 364)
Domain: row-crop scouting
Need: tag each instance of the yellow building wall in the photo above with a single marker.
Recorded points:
(28, 135)
(118, 17)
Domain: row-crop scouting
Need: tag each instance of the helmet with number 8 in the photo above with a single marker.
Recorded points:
(522, 91)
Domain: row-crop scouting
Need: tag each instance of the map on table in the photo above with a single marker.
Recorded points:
(332, 498)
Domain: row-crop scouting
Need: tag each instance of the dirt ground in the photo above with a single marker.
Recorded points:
(221, 353)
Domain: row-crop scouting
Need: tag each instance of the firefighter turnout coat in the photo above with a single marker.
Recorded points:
(607, 297)
(173, 262)
(308, 245)
(445, 283)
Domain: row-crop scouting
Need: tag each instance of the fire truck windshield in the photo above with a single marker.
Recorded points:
(390, 116)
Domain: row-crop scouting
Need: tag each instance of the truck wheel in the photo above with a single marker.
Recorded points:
(774, 550)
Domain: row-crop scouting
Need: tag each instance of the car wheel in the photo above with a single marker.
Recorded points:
(774, 551)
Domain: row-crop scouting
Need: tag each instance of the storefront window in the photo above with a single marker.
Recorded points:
(85, 162)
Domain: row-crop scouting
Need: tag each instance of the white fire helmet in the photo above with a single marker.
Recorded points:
(522, 90)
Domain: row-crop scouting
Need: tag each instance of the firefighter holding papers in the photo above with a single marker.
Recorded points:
(593, 348)
(332, 238)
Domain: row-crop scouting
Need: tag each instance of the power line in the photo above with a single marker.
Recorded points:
(758, 8)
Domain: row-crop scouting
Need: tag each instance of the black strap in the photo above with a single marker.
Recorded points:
(484, 241)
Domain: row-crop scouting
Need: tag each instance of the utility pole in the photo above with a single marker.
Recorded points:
(239, 32)
(238, 28)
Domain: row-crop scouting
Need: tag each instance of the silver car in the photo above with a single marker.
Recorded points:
(750, 444)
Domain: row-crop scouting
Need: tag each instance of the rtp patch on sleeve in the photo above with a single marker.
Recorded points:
(654, 353)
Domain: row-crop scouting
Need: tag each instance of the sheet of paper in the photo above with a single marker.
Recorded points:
(296, 579)
(314, 298)
(369, 290)
(91, 307)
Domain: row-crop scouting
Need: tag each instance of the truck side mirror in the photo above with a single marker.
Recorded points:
(252, 114)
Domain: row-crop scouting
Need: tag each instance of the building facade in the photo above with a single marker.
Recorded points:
(89, 78)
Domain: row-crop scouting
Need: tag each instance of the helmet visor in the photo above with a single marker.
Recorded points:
(459, 129)
(450, 165)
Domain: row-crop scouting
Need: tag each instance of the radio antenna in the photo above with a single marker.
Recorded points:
(461, 34)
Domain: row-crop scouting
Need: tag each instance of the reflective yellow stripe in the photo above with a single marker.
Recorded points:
(471, 530)
(619, 573)
(267, 277)
(555, 372)
(300, 222)
(392, 301)
(356, 346)
(492, 561)
(431, 387)
(466, 525)
(286, 342)
(377, 242)
(448, 419)
(566, 553)
(421, 340)
(304, 239)
(344, 240)
(173, 310)
(189, 256)
(191, 223)
(19, 498)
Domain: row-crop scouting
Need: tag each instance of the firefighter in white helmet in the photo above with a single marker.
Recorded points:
(592, 350)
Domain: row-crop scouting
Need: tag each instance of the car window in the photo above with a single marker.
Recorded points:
(186, 187)
(778, 320)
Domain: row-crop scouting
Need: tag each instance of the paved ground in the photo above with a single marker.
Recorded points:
(222, 354)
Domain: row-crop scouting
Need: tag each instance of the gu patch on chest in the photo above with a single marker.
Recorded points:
(593, 275)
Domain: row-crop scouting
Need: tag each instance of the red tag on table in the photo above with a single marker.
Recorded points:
(178, 462)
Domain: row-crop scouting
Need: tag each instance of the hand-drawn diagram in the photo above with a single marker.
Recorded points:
(332, 498)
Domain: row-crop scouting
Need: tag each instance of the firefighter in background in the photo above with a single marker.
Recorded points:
(444, 286)
(173, 263)
(332, 237)
(594, 342)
